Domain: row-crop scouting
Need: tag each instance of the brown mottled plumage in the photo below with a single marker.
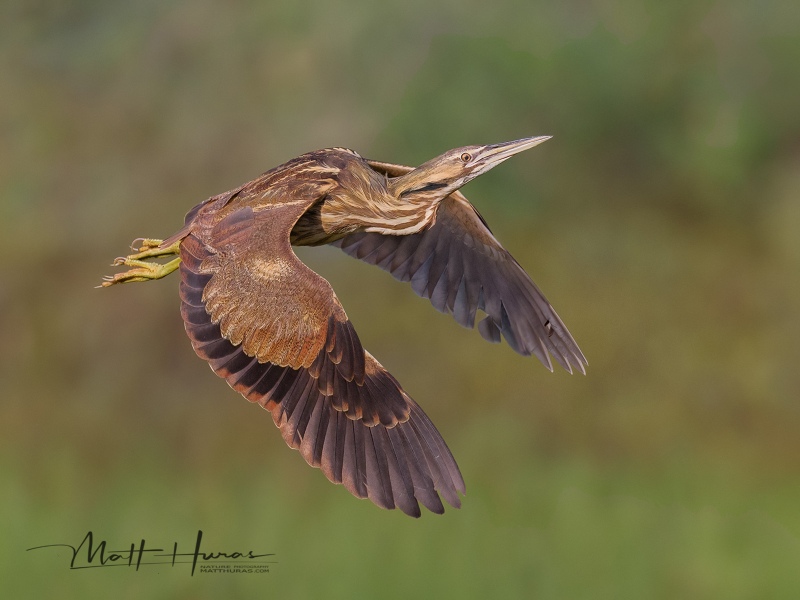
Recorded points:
(276, 332)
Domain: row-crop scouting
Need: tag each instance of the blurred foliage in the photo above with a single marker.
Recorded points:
(662, 222)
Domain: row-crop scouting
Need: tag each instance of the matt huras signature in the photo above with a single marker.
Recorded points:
(87, 555)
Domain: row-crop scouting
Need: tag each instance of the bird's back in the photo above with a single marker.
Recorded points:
(305, 180)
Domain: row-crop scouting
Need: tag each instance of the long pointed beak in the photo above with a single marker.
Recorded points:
(496, 153)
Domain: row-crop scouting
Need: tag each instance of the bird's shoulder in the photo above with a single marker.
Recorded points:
(293, 186)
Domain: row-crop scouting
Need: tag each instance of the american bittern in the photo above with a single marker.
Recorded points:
(275, 331)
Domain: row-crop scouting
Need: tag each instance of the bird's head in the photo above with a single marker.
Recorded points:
(439, 177)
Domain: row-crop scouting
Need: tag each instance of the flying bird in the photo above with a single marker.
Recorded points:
(276, 332)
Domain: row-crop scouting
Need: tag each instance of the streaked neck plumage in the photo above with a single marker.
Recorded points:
(366, 200)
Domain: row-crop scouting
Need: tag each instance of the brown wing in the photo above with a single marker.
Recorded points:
(276, 332)
(459, 265)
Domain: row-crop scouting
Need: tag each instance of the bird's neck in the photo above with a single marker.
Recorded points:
(420, 186)
(368, 201)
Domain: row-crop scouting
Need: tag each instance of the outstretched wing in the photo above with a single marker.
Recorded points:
(459, 265)
(275, 331)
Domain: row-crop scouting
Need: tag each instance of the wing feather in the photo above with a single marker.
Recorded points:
(461, 268)
(343, 411)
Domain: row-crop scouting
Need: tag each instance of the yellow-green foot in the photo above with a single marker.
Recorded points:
(149, 248)
(144, 271)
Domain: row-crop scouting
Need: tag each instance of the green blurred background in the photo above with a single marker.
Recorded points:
(662, 222)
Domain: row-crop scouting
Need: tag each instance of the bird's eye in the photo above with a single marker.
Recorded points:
(466, 157)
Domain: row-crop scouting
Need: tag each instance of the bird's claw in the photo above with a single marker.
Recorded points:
(144, 244)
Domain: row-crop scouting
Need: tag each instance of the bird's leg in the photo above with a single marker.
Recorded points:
(144, 271)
